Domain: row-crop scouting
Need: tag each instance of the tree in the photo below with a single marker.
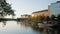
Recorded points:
(6, 9)
(38, 18)
(58, 17)
(42, 18)
(47, 18)
(53, 19)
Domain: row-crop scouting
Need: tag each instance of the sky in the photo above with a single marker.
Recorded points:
(28, 6)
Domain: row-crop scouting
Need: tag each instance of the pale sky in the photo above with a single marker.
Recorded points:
(29, 6)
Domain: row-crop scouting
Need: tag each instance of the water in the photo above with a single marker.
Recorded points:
(14, 27)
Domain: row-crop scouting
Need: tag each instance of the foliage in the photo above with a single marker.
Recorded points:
(53, 17)
(6, 9)
(47, 18)
(58, 16)
(42, 18)
(38, 18)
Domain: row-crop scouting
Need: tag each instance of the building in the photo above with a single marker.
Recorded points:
(41, 13)
(55, 8)
(25, 16)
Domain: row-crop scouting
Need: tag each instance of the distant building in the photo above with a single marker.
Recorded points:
(41, 13)
(55, 8)
(25, 16)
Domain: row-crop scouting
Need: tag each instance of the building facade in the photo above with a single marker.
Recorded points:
(25, 16)
(41, 13)
(55, 8)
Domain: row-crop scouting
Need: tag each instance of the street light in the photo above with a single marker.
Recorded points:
(32, 15)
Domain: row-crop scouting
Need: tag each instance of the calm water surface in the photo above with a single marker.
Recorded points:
(14, 27)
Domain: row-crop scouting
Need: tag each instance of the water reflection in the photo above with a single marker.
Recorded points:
(3, 23)
(40, 31)
(54, 31)
(44, 30)
(14, 27)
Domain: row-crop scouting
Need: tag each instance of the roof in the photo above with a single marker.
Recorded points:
(40, 11)
(25, 15)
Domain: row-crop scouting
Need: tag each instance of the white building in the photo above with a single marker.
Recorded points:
(55, 8)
